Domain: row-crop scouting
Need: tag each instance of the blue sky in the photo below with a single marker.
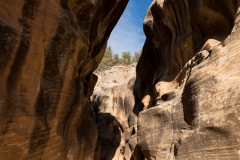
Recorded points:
(128, 33)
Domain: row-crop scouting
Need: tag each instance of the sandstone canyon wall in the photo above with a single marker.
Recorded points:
(112, 102)
(187, 94)
(49, 49)
(187, 97)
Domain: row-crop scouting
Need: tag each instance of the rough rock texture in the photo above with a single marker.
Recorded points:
(188, 104)
(175, 32)
(113, 102)
(49, 50)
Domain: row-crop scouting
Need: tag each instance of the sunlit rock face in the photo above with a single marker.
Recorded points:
(187, 95)
(49, 50)
(112, 102)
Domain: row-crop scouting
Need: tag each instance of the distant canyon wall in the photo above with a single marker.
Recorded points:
(112, 102)
(49, 50)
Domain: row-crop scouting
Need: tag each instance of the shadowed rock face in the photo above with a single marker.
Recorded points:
(113, 102)
(49, 50)
(188, 101)
(175, 32)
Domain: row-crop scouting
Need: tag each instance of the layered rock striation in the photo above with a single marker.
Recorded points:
(186, 92)
(112, 102)
(175, 32)
(49, 50)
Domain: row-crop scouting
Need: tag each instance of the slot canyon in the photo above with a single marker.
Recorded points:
(180, 101)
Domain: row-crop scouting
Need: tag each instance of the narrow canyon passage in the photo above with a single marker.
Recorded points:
(186, 89)
(180, 101)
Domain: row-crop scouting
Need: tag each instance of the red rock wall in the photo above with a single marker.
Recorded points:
(187, 101)
(49, 50)
(175, 32)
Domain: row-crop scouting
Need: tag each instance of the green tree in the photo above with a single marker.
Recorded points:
(110, 59)
(136, 56)
(107, 60)
(108, 53)
(126, 58)
(116, 59)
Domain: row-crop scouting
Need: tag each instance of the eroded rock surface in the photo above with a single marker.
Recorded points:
(113, 102)
(49, 50)
(187, 101)
(175, 32)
